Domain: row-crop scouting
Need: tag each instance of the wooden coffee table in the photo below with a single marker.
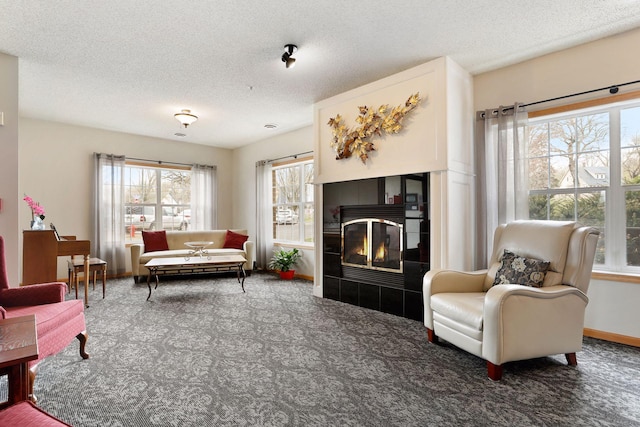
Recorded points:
(196, 265)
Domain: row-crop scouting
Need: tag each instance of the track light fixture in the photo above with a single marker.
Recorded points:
(185, 117)
(289, 49)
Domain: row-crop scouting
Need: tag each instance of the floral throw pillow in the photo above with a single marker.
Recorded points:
(519, 270)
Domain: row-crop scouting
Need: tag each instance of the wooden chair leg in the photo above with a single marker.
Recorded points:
(104, 281)
(72, 279)
(82, 337)
(77, 283)
(33, 371)
(431, 336)
(571, 359)
(494, 371)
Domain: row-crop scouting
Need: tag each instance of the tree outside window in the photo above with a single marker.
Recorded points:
(630, 177)
(293, 202)
(585, 166)
(156, 199)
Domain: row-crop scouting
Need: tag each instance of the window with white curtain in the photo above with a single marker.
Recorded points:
(156, 198)
(584, 165)
(292, 202)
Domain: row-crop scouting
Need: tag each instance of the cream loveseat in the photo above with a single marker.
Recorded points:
(176, 242)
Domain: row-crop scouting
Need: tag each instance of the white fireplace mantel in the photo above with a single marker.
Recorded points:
(437, 137)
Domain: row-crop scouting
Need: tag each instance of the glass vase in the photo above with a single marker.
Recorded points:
(37, 223)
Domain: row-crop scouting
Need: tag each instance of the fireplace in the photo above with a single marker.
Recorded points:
(375, 243)
(372, 243)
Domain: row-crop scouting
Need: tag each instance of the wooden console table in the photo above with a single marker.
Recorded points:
(18, 346)
(40, 252)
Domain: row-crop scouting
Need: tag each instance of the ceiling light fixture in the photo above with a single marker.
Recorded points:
(289, 49)
(185, 117)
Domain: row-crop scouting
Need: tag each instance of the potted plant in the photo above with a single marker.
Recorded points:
(283, 260)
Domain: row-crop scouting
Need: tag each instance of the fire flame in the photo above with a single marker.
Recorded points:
(363, 249)
(380, 253)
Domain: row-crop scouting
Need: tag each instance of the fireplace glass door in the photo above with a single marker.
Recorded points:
(373, 244)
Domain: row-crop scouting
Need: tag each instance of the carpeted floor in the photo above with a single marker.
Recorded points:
(202, 353)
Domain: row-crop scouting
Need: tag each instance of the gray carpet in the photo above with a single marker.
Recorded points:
(202, 353)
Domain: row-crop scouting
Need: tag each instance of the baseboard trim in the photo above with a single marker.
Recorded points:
(609, 336)
(297, 276)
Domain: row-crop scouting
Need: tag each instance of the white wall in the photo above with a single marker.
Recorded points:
(589, 66)
(435, 135)
(56, 169)
(244, 181)
(9, 163)
(613, 306)
(420, 146)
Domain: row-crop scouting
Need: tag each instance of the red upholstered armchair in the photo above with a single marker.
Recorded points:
(58, 321)
(26, 414)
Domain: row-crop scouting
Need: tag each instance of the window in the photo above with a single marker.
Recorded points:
(293, 202)
(155, 199)
(584, 165)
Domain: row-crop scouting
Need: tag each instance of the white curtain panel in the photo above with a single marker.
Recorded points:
(501, 162)
(203, 198)
(108, 212)
(264, 238)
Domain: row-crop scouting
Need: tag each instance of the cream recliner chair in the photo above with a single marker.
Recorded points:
(508, 322)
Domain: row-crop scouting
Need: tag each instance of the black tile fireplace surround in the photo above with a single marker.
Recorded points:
(386, 284)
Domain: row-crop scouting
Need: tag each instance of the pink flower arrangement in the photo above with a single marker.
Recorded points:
(36, 209)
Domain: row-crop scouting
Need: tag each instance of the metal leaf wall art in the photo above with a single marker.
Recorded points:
(347, 142)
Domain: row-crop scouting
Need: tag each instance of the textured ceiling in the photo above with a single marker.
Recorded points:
(130, 65)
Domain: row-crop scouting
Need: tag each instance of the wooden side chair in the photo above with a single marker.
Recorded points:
(96, 265)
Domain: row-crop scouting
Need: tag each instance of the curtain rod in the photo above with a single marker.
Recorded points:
(613, 89)
(295, 156)
(161, 162)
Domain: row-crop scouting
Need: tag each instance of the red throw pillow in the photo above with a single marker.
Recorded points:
(155, 241)
(234, 240)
